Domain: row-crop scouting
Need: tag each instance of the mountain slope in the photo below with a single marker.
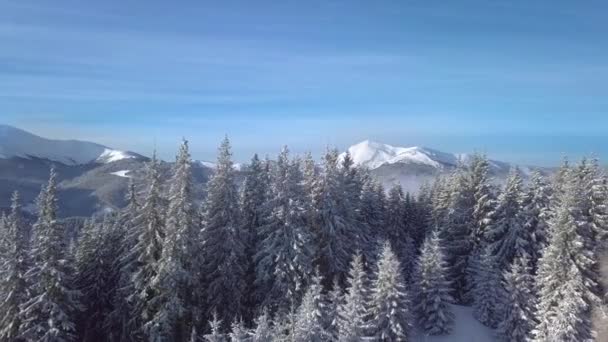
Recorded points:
(17, 143)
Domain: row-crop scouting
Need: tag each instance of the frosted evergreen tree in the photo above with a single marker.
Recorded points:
(433, 296)
(337, 226)
(254, 211)
(216, 330)
(14, 288)
(456, 228)
(224, 241)
(397, 230)
(284, 260)
(536, 214)
(310, 316)
(519, 319)
(263, 328)
(238, 332)
(121, 324)
(565, 278)
(49, 314)
(487, 292)
(353, 312)
(148, 250)
(506, 235)
(598, 211)
(484, 198)
(175, 282)
(335, 300)
(390, 304)
(95, 277)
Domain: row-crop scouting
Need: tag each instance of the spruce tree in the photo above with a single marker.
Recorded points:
(147, 252)
(565, 278)
(397, 230)
(14, 287)
(519, 318)
(335, 300)
(216, 330)
(284, 259)
(239, 333)
(310, 316)
(223, 241)
(263, 328)
(433, 296)
(49, 314)
(176, 281)
(390, 303)
(254, 211)
(536, 215)
(506, 235)
(353, 312)
(487, 291)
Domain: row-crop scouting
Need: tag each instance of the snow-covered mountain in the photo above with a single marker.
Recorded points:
(15, 142)
(412, 166)
(373, 154)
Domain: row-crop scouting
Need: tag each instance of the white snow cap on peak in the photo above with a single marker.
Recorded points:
(373, 154)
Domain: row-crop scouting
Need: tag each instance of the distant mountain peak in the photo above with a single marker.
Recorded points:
(372, 155)
(15, 142)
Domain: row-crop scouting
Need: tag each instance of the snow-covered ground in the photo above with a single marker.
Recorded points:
(122, 173)
(466, 329)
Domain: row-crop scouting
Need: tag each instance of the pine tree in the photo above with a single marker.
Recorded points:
(433, 289)
(397, 230)
(254, 211)
(223, 239)
(263, 328)
(536, 214)
(121, 324)
(337, 226)
(335, 300)
(216, 330)
(373, 202)
(239, 333)
(519, 319)
(175, 282)
(353, 312)
(49, 314)
(506, 235)
(310, 316)
(487, 292)
(284, 260)
(390, 315)
(148, 251)
(14, 287)
(565, 299)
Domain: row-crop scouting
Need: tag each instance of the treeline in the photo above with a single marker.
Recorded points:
(305, 253)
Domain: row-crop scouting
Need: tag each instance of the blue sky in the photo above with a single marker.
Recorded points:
(524, 81)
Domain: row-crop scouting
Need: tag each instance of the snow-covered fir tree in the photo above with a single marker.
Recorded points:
(335, 300)
(335, 233)
(121, 324)
(50, 313)
(238, 332)
(432, 288)
(487, 291)
(565, 273)
(254, 211)
(373, 213)
(391, 319)
(397, 230)
(506, 235)
(519, 318)
(14, 288)
(353, 313)
(311, 315)
(223, 241)
(176, 280)
(284, 258)
(263, 328)
(148, 250)
(215, 325)
(536, 214)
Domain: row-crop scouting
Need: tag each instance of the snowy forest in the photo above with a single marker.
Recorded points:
(301, 251)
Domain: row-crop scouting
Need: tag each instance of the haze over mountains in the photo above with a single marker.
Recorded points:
(94, 177)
